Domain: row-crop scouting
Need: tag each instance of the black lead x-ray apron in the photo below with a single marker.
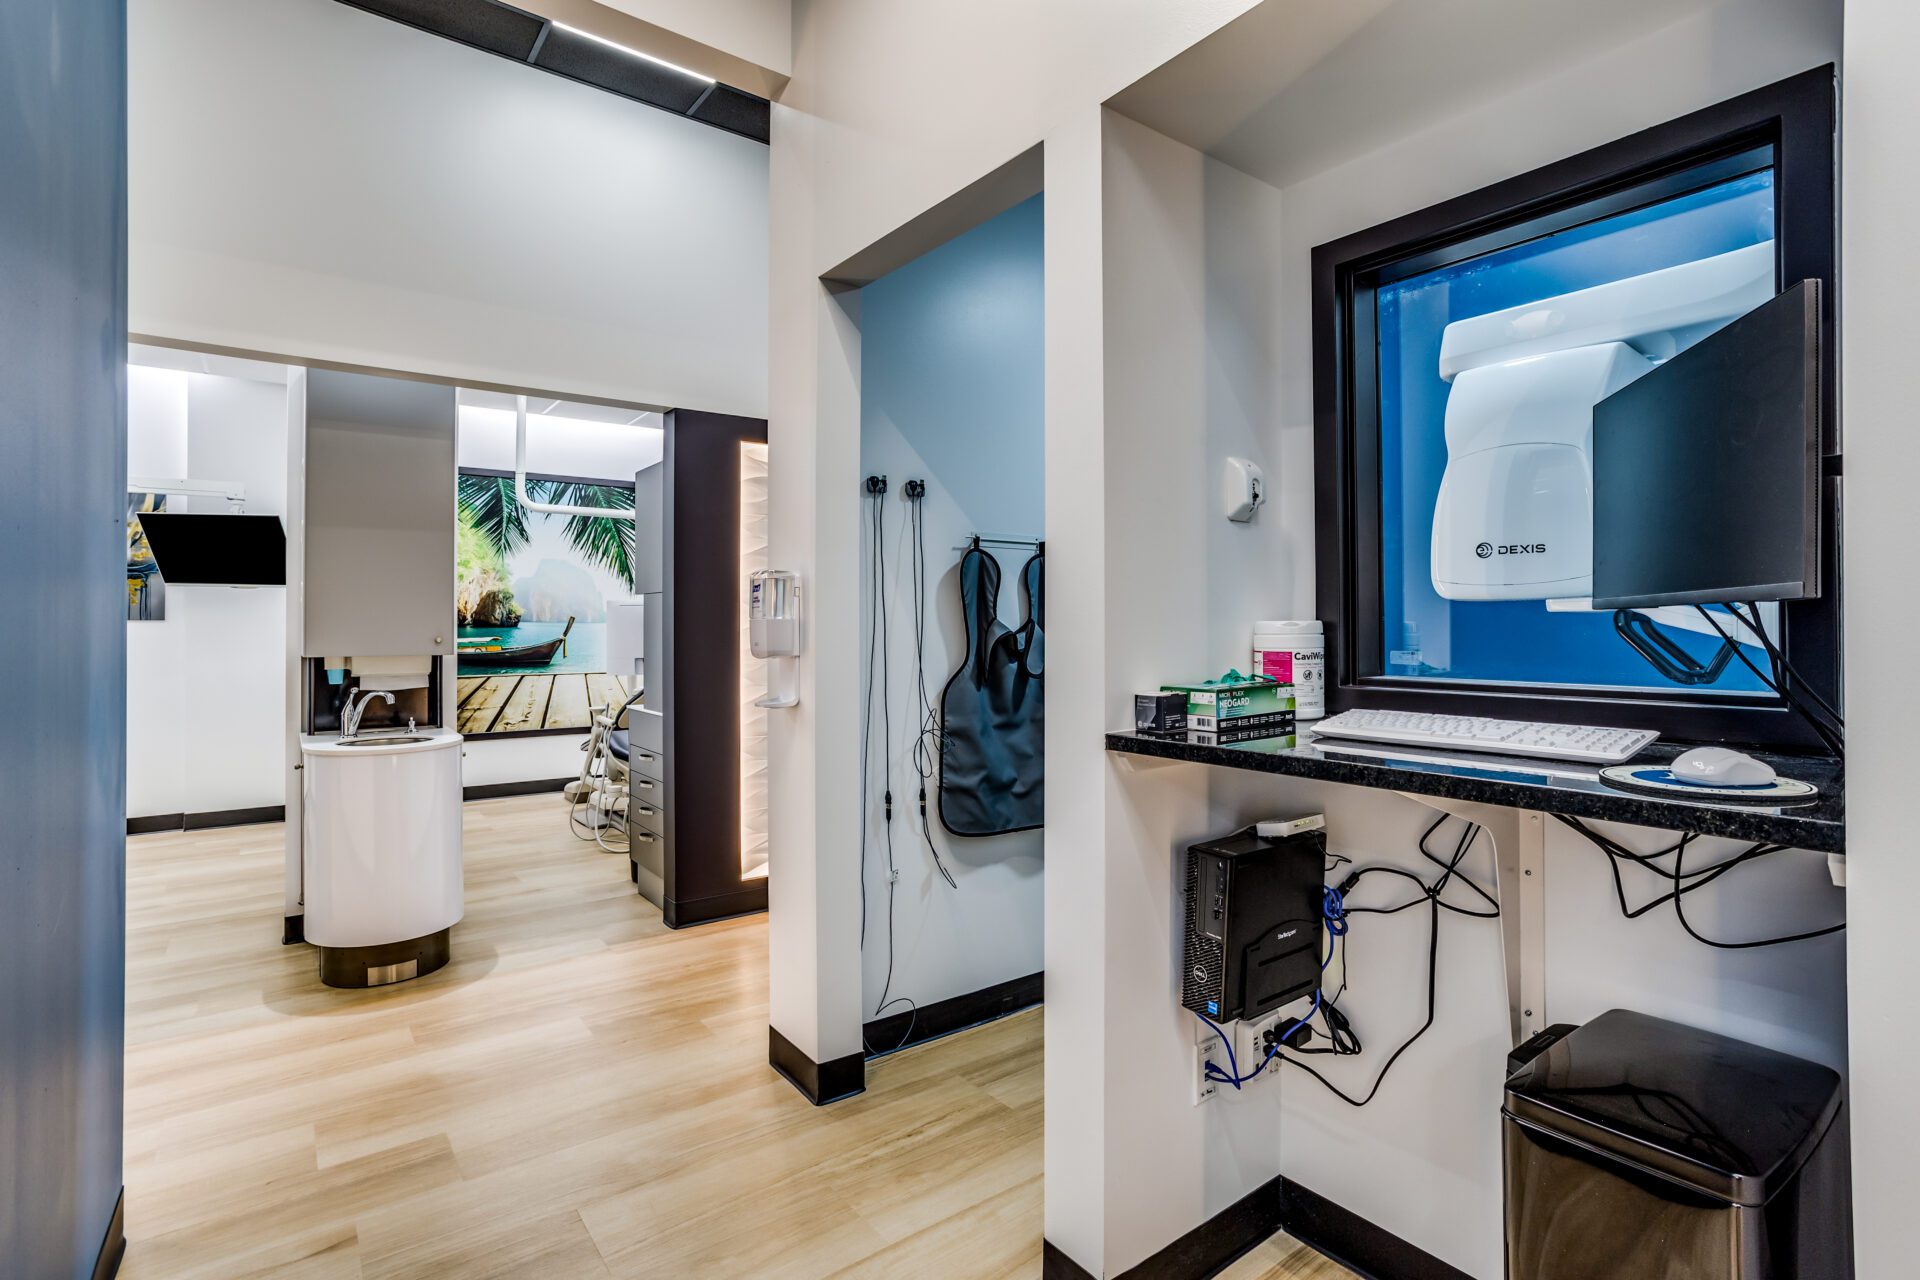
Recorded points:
(991, 721)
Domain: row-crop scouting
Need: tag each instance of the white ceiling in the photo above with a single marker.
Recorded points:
(1295, 87)
(579, 411)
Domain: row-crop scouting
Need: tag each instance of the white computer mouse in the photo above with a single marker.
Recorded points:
(1721, 767)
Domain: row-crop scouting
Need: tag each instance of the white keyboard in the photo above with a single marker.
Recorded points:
(1589, 744)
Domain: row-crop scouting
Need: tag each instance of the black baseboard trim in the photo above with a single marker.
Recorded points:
(106, 1263)
(293, 930)
(205, 821)
(495, 790)
(899, 1031)
(749, 900)
(1355, 1243)
(1280, 1205)
(1212, 1246)
(235, 817)
(818, 1082)
(1056, 1265)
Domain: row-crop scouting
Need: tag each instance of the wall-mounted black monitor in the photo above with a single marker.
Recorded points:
(1706, 471)
(221, 551)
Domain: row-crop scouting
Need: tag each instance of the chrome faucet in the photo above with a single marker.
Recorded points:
(351, 713)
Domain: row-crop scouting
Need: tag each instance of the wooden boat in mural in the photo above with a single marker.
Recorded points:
(525, 655)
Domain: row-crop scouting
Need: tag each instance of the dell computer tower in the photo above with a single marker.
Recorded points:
(1253, 923)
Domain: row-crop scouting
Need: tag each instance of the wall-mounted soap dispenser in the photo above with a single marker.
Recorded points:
(773, 615)
(1246, 489)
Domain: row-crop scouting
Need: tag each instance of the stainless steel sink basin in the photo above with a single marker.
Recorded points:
(391, 741)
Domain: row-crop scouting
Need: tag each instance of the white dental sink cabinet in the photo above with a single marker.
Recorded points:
(382, 853)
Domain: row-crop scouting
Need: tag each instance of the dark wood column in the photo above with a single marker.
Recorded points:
(704, 600)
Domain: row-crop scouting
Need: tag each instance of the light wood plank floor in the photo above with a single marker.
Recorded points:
(581, 1093)
(514, 703)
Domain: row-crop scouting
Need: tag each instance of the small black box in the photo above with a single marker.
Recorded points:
(1160, 712)
(1253, 923)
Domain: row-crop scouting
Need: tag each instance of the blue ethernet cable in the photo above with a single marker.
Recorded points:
(1232, 1075)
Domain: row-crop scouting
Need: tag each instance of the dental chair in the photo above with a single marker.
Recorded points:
(616, 800)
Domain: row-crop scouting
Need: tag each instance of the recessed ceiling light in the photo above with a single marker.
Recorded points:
(634, 53)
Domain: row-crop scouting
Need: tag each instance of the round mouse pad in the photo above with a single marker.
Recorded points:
(1661, 781)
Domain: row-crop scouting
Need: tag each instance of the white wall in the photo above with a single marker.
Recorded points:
(952, 394)
(311, 180)
(888, 113)
(883, 119)
(234, 657)
(206, 686)
(1075, 890)
(156, 447)
(1168, 1166)
(1423, 1160)
(206, 706)
(950, 940)
(1879, 184)
(761, 31)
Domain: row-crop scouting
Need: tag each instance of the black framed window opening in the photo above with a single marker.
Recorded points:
(1747, 184)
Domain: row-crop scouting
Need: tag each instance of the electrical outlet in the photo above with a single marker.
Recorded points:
(1250, 1037)
(1247, 1046)
(1207, 1051)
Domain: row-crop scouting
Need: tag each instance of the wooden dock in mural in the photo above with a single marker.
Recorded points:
(518, 703)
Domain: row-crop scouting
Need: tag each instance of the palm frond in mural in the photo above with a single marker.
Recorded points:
(490, 504)
(600, 540)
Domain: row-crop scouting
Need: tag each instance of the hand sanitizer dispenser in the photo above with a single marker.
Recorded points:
(773, 627)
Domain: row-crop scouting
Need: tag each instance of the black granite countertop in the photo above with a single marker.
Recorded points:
(1548, 786)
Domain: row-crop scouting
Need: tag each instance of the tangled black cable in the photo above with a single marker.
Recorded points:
(877, 654)
(927, 739)
(1339, 1031)
(1801, 697)
(1685, 882)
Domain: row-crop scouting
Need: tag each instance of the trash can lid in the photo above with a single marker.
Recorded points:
(1731, 1120)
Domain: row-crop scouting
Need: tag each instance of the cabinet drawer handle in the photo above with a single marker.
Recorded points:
(646, 783)
(648, 813)
(647, 836)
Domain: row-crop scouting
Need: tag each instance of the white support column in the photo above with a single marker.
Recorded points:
(1075, 888)
(813, 443)
(296, 523)
(1880, 188)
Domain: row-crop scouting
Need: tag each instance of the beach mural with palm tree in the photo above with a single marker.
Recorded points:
(146, 590)
(531, 590)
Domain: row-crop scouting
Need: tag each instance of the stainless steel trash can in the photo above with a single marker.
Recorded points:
(1640, 1149)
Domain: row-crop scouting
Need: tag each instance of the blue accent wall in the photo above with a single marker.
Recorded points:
(952, 391)
(952, 357)
(63, 450)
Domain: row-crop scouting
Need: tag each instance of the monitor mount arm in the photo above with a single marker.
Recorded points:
(1667, 657)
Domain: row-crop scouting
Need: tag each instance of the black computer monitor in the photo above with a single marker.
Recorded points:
(1706, 471)
(225, 551)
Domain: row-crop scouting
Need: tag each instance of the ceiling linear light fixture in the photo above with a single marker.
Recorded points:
(634, 53)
